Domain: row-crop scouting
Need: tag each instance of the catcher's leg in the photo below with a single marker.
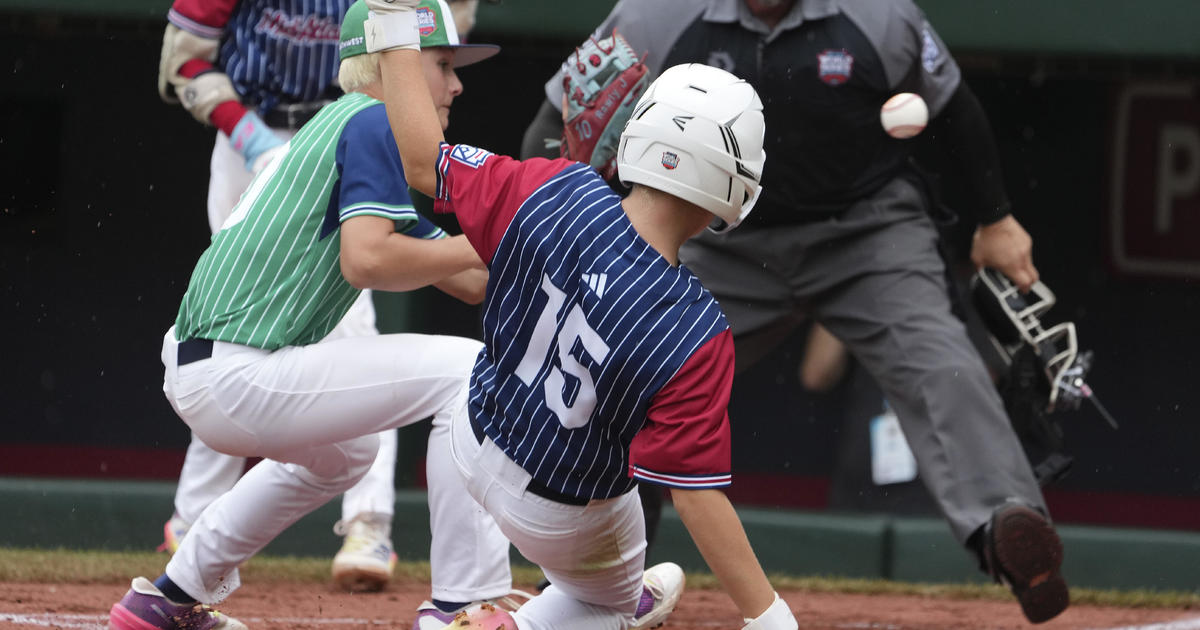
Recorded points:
(206, 475)
(468, 554)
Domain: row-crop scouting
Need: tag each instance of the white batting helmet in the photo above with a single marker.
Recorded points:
(697, 134)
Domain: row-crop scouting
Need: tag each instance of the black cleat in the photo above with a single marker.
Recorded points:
(1023, 551)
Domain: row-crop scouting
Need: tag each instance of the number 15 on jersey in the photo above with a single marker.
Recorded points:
(569, 388)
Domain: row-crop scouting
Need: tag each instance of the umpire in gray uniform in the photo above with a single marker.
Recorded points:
(843, 234)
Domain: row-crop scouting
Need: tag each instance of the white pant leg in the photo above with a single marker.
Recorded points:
(594, 555)
(375, 493)
(468, 554)
(206, 475)
(267, 500)
(317, 406)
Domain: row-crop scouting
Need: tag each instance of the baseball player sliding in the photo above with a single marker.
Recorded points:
(245, 371)
(604, 360)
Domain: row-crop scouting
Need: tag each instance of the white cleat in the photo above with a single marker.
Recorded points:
(663, 586)
(366, 560)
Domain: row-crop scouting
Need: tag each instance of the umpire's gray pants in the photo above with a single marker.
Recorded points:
(873, 276)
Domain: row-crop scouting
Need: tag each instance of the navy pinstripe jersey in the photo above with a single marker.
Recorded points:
(603, 363)
(274, 51)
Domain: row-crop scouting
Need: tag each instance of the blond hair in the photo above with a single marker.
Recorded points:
(359, 71)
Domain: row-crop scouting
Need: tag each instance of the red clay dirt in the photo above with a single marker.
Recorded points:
(276, 606)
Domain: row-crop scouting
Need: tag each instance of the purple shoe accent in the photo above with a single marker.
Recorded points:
(646, 604)
(144, 608)
(430, 618)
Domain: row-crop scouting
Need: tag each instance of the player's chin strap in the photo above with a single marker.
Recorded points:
(1046, 370)
(776, 617)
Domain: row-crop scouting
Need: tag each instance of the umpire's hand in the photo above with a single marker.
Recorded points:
(1006, 247)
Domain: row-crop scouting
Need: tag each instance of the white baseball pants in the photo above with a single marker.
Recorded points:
(594, 555)
(312, 412)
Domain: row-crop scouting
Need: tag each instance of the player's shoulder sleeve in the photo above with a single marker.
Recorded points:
(685, 442)
(650, 26)
(371, 178)
(205, 18)
(915, 59)
(485, 190)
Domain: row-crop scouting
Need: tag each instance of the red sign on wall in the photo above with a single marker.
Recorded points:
(1155, 214)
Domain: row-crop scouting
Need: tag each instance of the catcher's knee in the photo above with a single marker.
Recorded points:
(482, 617)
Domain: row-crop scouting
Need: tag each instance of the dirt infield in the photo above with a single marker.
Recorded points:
(277, 606)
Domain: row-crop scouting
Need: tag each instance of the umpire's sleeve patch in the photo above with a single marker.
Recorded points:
(931, 53)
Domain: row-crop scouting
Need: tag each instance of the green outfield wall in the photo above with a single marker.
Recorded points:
(74, 514)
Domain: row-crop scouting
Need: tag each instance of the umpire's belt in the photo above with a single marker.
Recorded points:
(293, 115)
(534, 486)
(193, 350)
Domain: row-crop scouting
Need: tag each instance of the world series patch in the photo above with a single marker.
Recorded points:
(834, 66)
(426, 21)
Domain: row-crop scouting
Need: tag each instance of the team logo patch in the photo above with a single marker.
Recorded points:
(670, 160)
(930, 52)
(469, 155)
(834, 66)
(721, 59)
(426, 21)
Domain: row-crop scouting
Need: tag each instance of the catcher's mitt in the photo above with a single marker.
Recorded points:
(602, 81)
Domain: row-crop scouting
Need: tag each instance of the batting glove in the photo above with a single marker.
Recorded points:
(179, 47)
(201, 95)
(392, 25)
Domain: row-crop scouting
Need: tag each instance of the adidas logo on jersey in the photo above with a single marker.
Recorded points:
(596, 282)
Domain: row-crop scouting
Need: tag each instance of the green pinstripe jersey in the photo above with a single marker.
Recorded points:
(271, 276)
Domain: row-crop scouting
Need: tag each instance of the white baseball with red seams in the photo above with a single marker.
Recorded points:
(904, 115)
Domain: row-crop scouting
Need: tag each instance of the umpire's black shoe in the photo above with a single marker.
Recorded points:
(1022, 550)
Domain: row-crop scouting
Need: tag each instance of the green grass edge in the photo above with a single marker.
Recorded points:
(105, 567)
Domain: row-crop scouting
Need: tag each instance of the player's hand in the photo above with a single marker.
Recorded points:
(391, 6)
(1006, 247)
(180, 47)
(392, 25)
(201, 95)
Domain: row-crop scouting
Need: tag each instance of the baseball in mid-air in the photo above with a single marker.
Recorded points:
(904, 115)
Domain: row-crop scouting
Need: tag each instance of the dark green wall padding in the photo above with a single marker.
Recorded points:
(73, 514)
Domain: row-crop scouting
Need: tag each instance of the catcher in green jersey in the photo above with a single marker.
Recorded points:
(325, 219)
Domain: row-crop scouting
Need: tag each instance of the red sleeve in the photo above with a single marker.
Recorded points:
(685, 442)
(206, 18)
(485, 190)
